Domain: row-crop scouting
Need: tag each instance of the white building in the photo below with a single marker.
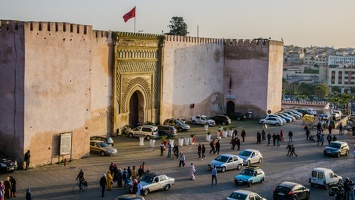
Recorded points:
(341, 61)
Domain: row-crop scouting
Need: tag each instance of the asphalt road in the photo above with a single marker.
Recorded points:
(56, 181)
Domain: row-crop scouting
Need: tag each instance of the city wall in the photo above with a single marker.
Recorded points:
(191, 77)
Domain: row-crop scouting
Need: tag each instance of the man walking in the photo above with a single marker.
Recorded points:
(243, 134)
(27, 159)
(214, 174)
(169, 150)
(290, 134)
(103, 184)
(218, 146)
(181, 160)
(213, 145)
(268, 138)
(274, 139)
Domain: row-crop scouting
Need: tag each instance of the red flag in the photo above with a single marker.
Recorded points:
(130, 14)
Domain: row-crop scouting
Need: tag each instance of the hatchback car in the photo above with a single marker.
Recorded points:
(146, 131)
(244, 195)
(291, 190)
(107, 140)
(98, 146)
(250, 175)
(237, 116)
(250, 156)
(336, 148)
(271, 120)
(222, 119)
(178, 124)
(225, 162)
(7, 164)
(166, 130)
(152, 182)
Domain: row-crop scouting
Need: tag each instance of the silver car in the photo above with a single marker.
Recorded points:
(102, 148)
(152, 182)
(225, 162)
(251, 156)
(146, 131)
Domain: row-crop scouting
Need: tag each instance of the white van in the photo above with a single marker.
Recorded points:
(324, 177)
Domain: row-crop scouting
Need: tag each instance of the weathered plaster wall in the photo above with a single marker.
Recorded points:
(192, 74)
(12, 63)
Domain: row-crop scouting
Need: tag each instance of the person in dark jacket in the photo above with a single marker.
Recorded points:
(268, 138)
(8, 189)
(243, 134)
(27, 159)
(218, 147)
(28, 194)
(238, 143)
(140, 172)
(13, 186)
(103, 184)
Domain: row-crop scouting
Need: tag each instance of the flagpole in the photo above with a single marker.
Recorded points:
(135, 16)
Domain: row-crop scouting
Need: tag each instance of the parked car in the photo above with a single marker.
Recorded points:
(336, 115)
(299, 114)
(237, 116)
(302, 111)
(222, 119)
(271, 120)
(290, 190)
(323, 116)
(7, 164)
(202, 119)
(272, 115)
(107, 140)
(152, 182)
(146, 131)
(250, 175)
(336, 148)
(98, 146)
(283, 116)
(244, 195)
(324, 177)
(178, 124)
(312, 112)
(166, 130)
(225, 162)
(129, 197)
(290, 115)
(250, 156)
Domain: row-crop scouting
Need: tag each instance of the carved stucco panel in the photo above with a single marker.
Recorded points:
(130, 85)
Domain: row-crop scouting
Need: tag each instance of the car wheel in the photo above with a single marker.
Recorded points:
(130, 135)
(260, 160)
(295, 197)
(250, 183)
(248, 163)
(277, 124)
(180, 129)
(167, 187)
(102, 153)
(223, 169)
(146, 192)
(238, 119)
(236, 182)
(239, 167)
(148, 137)
(326, 186)
(347, 153)
(339, 154)
(308, 195)
(262, 180)
(193, 122)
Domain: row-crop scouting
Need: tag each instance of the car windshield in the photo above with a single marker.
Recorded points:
(222, 158)
(247, 172)
(109, 140)
(103, 144)
(179, 123)
(245, 153)
(334, 145)
(238, 196)
(282, 189)
(147, 178)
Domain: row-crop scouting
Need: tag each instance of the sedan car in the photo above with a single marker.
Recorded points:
(250, 156)
(244, 195)
(166, 130)
(225, 162)
(336, 148)
(202, 120)
(98, 146)
(178, 124)
(152, 182)
(250, 175)
(7, 164)
(107, 140)
(291, 190)
(237, 116)
(222, 119)
(271, 120)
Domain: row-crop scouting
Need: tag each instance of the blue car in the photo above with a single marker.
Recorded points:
(250, 175)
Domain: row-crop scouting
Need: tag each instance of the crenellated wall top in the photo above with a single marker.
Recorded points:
(188, 39)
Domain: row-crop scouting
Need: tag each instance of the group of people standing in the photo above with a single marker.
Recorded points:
(8, 188)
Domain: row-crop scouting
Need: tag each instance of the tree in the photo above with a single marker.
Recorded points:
(322, 91)
(178, 26)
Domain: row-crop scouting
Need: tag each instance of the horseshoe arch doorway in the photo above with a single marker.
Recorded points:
(230, 107)
(136, 109)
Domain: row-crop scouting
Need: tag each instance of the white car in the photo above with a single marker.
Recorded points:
(225, 162)
(250, 156)
(202, 119)
(146, 131)
(244, 195)
(271, 120)
(271, 115)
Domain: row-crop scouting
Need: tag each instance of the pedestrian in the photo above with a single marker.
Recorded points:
(258, 137)
(109, 180)
(169, 150)
(115, 172)
(281, 135)
(290, 135)
(213, 146)
(218, 147)
(134, 173)
(334, 138)
(319, 126)
(13, 186)
(243, 134)
(268, 138)
(111, 168)
(330, 128)
(341, 128)
(7, 184)
(176, 151)
(27, 159)
(329, 138)
(140, 172)
(182, 159)
(125, 177)
(214, 174)
(322, 139)
(263, 135)
(288, 148)
(274, 138)
(318, 137)
(139, 188)
(307, 134)
(238, 143)
(233, 142)
(278, 139)
(347, 184)
(103, 184)
(203, 151)
(235, 132)
(135, 186)
(28, 194)
(129, 173)
(293, 150)
(199, 150)
(192, 171)
(2, 190)
(161, 149)
(119, 178)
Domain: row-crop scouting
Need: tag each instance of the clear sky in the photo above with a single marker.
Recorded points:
(303, 22)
